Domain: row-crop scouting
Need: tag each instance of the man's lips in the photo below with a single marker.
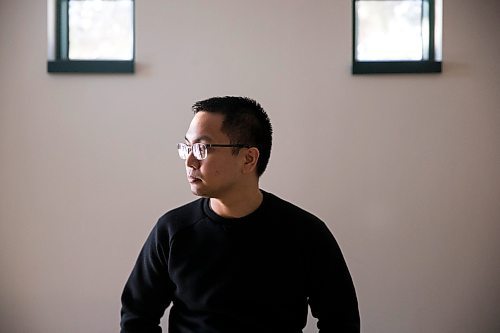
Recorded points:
(192, 179)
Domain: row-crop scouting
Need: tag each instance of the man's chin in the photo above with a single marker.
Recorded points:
(198, 192)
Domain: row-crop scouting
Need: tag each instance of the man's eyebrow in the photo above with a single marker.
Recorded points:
(199, 139)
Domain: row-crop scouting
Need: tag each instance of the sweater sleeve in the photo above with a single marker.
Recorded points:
(148, 291)
(332, 296)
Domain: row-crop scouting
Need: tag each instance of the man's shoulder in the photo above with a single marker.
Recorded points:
(181, 217)
(289, 210)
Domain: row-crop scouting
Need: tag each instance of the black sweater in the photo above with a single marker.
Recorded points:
(253, 274)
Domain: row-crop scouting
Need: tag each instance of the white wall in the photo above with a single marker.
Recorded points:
(404, 169)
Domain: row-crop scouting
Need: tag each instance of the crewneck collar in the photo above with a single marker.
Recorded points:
(253, 216)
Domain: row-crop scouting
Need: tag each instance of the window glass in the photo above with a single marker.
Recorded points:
(438, 30)
(100, 30)
(391, 30)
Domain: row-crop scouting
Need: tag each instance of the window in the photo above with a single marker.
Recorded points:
(95, 36)
(397, 36)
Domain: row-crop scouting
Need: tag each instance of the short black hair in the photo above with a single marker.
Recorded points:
(245, 122)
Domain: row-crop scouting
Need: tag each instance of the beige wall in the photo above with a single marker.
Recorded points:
(404, 169)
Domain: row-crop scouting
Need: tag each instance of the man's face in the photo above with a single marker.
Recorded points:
(219, 174)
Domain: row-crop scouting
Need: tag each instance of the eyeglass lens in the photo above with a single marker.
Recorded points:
(199, 150)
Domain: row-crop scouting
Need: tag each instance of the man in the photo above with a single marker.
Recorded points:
(238, 259)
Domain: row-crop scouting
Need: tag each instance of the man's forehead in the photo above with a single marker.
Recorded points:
(207, 120)
(205, 126)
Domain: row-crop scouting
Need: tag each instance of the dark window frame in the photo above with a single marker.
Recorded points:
(61, 62)
(432, 65)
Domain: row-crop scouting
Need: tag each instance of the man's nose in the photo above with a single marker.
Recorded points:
(191, 161)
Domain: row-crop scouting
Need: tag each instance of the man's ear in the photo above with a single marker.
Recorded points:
(251, 158)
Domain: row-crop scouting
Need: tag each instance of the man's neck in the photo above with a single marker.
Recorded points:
(237, 205)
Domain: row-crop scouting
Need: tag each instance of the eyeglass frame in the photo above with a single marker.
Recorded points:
(207, 145)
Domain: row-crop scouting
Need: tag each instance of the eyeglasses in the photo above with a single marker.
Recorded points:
(200, 150)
